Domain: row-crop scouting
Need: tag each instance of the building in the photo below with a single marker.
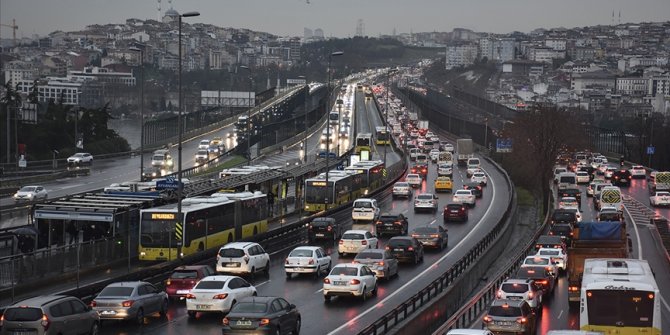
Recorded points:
(53, 89)
(633, 86)
(659, 85)
(590, 80)
(17, 70)
(557, 44)
(103, 75)
(497, 49)
(460, 55)
(545, 55)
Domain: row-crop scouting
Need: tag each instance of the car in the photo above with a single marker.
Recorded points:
(571, 192)
(150, 173)
(425, 201)
(609, 171)
(443, 184)
(379, 261)
(50, 314)
(568, 203)
(392, 223)
(413, 152)
(325, 228)
(243, 258)
(558, 257)
(214, 150)
(354, 241)
(541, 276)
(660, 198)
(479, 177)
(80, 158)
(510, 316)
(564, 230)
(638, 171)
(183, 278)
(521, 289)
(473, 166)
(557, 173)
(262, 315)
(203, 144)
(130, 301)
(307, 259)
(550, 241)
(405, 248)
(217, 294)
(201, 157)
(420, 168)
(564, 216)
(434, 236)
(365, 209)
(621, 177)
(583, 177)
(592, 187)
(355, 280)
(464, 197)
(455, 212)
(609, 213)
(162, 159)
(598, 188)
(444, 169)
(413, 180)
(541, 261)
(476, 189)
(434, 155)
(402, 189)
(31, 193)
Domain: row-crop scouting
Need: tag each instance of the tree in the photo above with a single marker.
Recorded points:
(11, 101)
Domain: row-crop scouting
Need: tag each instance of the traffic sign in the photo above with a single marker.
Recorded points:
(504, 145)
(167, 184)
(651, 150)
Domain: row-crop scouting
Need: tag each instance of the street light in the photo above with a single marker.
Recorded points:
(251, 85)
(180, 186)
(141, 51)
(328, 89)
(386, 110)
(303, 145)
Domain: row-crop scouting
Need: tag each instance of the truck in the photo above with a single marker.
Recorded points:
(413, 118)
(464, 151)
(606, 239)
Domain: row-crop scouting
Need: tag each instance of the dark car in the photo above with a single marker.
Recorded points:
(621, 177)
(421, 169)
(392, 223)
(406, 248)
(571, 192)
(183, 278)
(549, 241)
(150, 173)
(455, 212)
(542, 277)
(564, 230)
(476, 188)
(324, 228)
(262, 315)
(434, 236)
(564, 216)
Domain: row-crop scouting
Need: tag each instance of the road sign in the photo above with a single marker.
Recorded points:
(178, 232)
(504, 145)
(651, 150)
(167, 184)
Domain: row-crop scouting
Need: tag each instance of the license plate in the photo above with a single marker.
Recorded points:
(351, 248)
(243, 323)
(231, 265)
(297, 269)
(388, 224)
(203, 306)
(108, 312)
(182, 291)
(398, 249)
(320, 235)
(455, 211)
(340, 283)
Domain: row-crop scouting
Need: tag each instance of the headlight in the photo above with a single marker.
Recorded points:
(29, 195)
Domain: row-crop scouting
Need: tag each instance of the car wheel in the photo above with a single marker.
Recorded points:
(95, 329)
(374, 291)
(296, 330)
(252, 274)
(364, 295)
(164, 308)
(288, 275)
(139, 318)
(326, 298)
(192, 314)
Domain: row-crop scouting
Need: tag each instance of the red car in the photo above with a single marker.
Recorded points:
(420, 169)
(455, 212)
(183, 278)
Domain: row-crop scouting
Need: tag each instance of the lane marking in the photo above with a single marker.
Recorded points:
(415, 278)
(261, 284)
(559, 315)
(319, 291)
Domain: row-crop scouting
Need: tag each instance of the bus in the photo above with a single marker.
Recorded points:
(342, 187)
(209, 222)
(372, 172)
(619, 296)
(363, 143)
(334, 118)
(382, 136)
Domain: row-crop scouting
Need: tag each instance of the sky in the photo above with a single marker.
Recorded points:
(337, 18)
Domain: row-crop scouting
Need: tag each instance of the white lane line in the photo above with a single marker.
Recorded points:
(559, 315)
(261, 284)
(319, 291)
(415, 278)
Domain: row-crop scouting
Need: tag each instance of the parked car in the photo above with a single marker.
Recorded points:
(184, 277)
(392, 223)
(380, 261)
(406, 248)
(324, 228)
(130, 301)
(510, 316)
(355, 280)
(455, 212)
(243, 258)
(307, 260)
(80, 158)
(217, 294)
(434, 236)
(50, 314)
(31, 193)
(262, 315)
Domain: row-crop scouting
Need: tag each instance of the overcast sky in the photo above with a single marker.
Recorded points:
(337, 18)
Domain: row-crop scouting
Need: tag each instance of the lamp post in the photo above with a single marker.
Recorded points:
(386, 110)
(303, 145)
(251, 87)
(141, 51)
(180, 186)
(330, 58)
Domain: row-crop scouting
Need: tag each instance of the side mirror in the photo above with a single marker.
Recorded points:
(291, 306)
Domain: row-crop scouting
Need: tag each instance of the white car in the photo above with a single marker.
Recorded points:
(31, 193)
(541, 260)
(520, 289)
(558, 257)
(204, 144)
(660, 198)
(447, 147)
(638, 171)
(355, 280)
(473, 166)
(464, 197)
(479, 177)
(353, 241)
(609, 171)
(414, 180)
(434, 155)
(80, 158)
(401, 189)
(365, 209)
(582, 177)
(243, 258)
(568, 203)
(413, 153)
(425, 201)
(444, 169)
(307, 259)
(557, 173)
(217, 294)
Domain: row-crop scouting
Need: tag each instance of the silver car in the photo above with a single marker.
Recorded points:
(50, 314)
(380, 261)
(130, 301)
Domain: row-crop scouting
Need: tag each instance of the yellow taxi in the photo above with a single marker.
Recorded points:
(443, 184)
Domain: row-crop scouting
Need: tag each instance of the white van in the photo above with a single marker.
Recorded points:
(567, 180)
(610, 196)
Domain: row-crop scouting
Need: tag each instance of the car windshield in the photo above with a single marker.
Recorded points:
(249, 307)
(184, 274)
(514, 288)
(549, 252)
(22, 314)
(402, 185)
(369, 255)
(425, 230)
(462, 192)
(301, 253)
(425, 197)
(505, 311)
(363, 204)
(344, 271)
(563, 216)
(412, 176)
(561, 228)
(353, 236)
(116, 291)
(231, 252)
(536, 261)
(399, 243)
(202, 152)
(27, 189)
(210, 285)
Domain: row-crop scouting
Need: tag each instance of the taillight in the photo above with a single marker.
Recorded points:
(189, 296)
(308, 227)
(397, 222)
(487, 319)
(410, 249)
(379, 222)
(93, 303)
(329, 228)
(226, 321)
(326, 281)
(264, 322)
(286, 261)
(387, 248)
(573, 288)
(354, 282)
(220, 296)
(2, 320)
(380, 263)
(521, 320)
(364, 242)
(341, 242)
(127, 303)
(499, 294)
(414, 235)
(434, 235)
(531, 295)
(45, 322)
